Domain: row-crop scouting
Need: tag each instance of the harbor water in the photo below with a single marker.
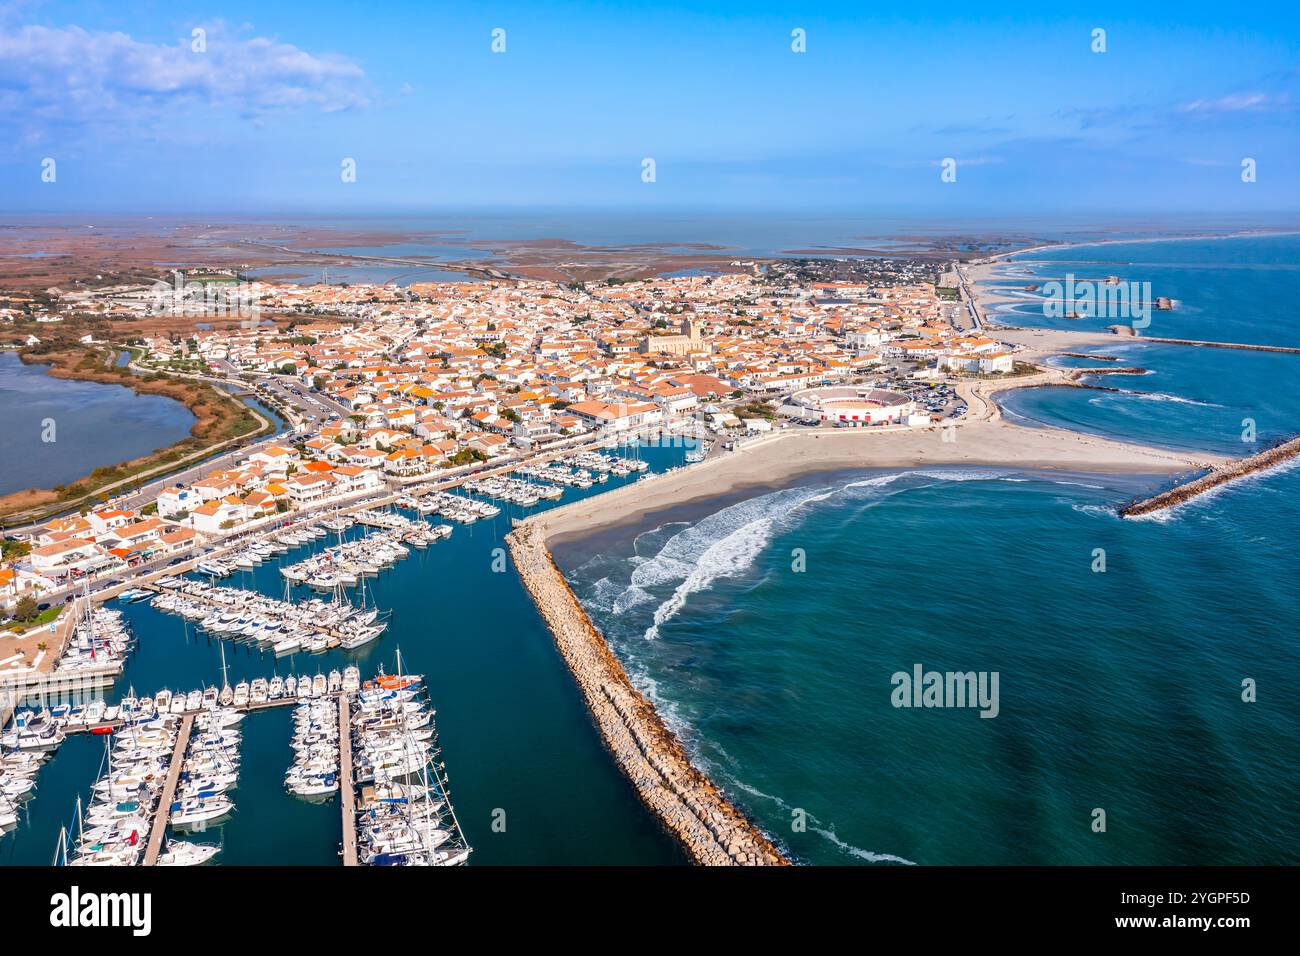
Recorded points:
(530, 780)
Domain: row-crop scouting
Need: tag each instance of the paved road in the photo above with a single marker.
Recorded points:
(313, 407)
(967, 297)
(312, 410)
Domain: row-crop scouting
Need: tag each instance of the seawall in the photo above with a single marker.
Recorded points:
(712, 830)
(1246, 346)
(1230, 472)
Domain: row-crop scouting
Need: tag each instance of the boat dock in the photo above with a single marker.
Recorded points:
(56, 685)
(112, 726)
(1242, 468)
(333, 633)
(347, 784)
(169, 793)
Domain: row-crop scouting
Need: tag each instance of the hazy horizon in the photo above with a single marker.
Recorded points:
(245, 108)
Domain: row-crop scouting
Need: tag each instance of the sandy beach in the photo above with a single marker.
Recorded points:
(779, 459)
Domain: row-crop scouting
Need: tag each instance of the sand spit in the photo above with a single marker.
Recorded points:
(775, 461)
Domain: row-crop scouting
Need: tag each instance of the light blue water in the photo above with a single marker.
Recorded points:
(1226, 290)
(94, 424)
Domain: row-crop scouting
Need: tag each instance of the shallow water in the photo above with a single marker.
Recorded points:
(93, 424)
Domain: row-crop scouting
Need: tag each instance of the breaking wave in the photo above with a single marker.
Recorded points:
(726, 544)
(824, 831)
(1163, 397)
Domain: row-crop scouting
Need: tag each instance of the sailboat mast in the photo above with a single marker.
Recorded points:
(61, 848)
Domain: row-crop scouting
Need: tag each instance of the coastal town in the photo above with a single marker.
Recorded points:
(392, 415)
(404, 412)
(386, 387)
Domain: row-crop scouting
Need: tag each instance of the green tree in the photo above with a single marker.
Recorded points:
(26, 608)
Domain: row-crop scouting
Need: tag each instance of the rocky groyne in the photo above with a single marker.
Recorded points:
(1233, 471)
(713, 831)
(1246, 346)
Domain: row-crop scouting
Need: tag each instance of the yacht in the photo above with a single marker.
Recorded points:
(185, 853)
(186, 813)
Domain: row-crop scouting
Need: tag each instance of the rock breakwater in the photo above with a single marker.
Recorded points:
(712, 830)
(1233, 471)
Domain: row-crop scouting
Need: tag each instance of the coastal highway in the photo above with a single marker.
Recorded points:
(312, 410)
(959, 270)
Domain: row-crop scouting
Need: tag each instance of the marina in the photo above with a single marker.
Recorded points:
(172, 648)
(172, 761)
(283, 626)
(404, 816)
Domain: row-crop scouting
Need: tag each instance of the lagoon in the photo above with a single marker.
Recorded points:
(94, 424)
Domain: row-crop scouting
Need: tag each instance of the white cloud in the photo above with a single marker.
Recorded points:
(70, 75)
(1235, 103)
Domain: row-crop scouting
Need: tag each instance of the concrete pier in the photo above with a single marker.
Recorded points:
(160, 819)
(347, 786)
(711, 829)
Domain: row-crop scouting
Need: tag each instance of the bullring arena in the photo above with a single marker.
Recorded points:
(853, 405)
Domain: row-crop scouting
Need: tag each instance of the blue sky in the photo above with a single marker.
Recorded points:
(262, 119)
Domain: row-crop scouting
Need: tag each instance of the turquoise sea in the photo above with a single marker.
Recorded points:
(768, 629)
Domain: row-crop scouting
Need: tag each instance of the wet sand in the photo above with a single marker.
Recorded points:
(777, 460)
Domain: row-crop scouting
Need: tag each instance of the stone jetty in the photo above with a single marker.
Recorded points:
(1233, 471)
(713, 831)
(1246, 346)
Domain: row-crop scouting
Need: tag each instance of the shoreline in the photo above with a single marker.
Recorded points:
(208, 405)
(682, 796)
(788, 456)
(986, 269)
(1248, 234)
(712, 830)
